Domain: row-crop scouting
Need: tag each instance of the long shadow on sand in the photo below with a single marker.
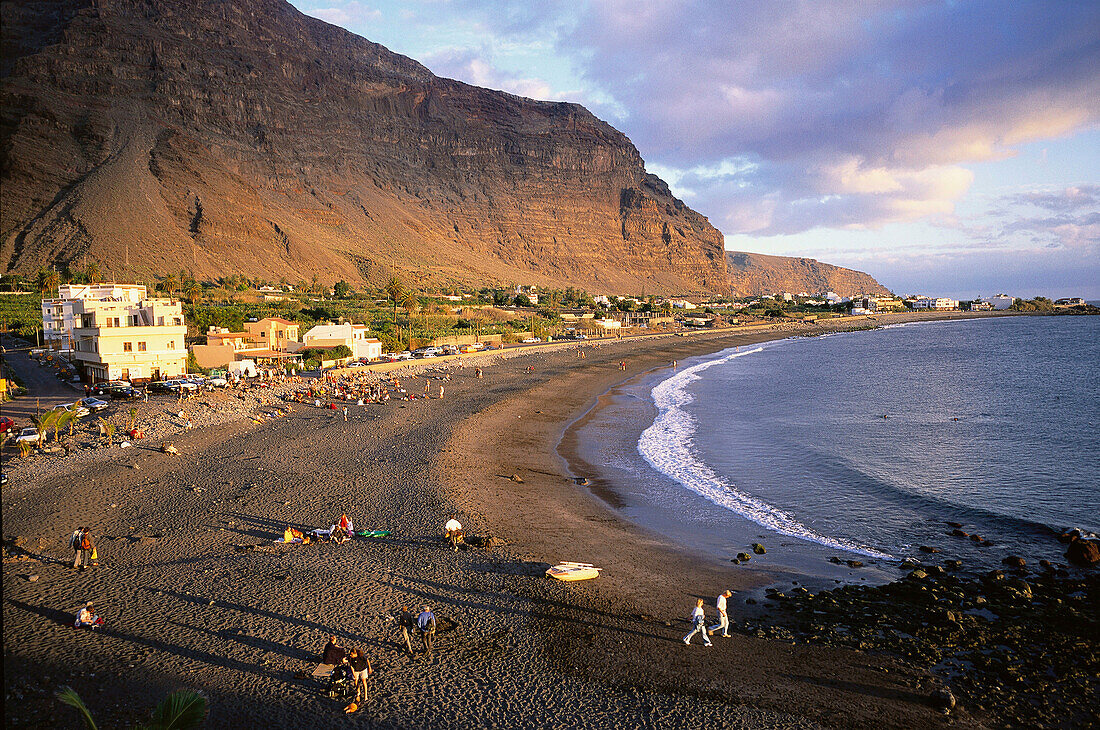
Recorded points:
(253, 642)
(50, 614)
(881, 692)
(549, 614)
(254, 611)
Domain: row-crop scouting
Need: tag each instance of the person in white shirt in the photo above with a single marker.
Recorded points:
(453, 532)
(698, 624)
(723, 618)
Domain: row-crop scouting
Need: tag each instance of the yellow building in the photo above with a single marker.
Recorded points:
(128, 340)
(274, 333)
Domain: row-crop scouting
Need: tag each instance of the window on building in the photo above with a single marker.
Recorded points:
(127, 346)
(115, 322)
(171, 344)
(177, 321)
(141, 347)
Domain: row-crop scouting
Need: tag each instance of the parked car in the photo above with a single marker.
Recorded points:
(160, 386)
(126, 393)
(218, 381)
(470, 348)
(449, 350)
(106, 388)
(532, 340)
(6, 424)
(76, 408)
(95, 405)
(184, 384)
(427, 352)
(28, 435)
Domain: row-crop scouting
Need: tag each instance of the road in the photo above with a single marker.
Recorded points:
(44, 390)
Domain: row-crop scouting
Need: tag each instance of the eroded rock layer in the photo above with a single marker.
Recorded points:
(216, 137)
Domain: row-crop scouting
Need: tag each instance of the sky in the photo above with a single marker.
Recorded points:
(949, 148)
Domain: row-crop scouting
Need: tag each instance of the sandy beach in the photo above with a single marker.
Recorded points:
(196, 593)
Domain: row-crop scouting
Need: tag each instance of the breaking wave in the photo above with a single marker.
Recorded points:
(668, 446)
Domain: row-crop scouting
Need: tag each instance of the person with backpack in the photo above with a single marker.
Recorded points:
(83, 546)
(425, 623)
(406, 621)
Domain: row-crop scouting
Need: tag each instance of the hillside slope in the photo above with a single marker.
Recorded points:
(155, 135)
(754, 273)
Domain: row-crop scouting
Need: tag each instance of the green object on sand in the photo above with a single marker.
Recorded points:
(373, 533)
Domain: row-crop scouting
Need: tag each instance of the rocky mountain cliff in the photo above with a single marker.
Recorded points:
(219, 137)
(226, 137)
(754, 273)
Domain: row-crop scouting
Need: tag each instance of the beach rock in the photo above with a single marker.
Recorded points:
(954, 524)
(918, 574)
(994, 576)
(943, 700)
(977, 538)
(928, 549)
(1046, 565)
(1083, 552)
(908, 564)
(516, 478)
(758, 548)
(934, 570)
(960, 533)
(953, 564)
(744, 557)
(32, 578)
(1014, 561)
(855, 563)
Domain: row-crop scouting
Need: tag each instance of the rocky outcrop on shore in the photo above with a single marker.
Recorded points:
(1021, 647)
(752, 274)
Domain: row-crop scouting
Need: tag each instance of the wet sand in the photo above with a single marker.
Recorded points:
(197, 595)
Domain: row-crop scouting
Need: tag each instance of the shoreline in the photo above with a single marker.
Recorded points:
(645, 575)
(196, 594)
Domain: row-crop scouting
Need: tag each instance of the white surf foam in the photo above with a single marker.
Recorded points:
(668, 446)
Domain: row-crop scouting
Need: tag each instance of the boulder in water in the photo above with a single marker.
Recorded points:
(943, 700)
(1083, 552)
(758, 548)
(1014, 561)
(928, 549)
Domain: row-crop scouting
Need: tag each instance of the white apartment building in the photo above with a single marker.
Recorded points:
(354, 336)
(1002, 301)
(937, 303)
(58, 319)
(123, 339)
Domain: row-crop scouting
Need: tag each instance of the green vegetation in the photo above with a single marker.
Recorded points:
(21, 314)
(1038, 304)
(182, 710)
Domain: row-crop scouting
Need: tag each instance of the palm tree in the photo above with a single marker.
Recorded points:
(92, 273)
(133, 418)
(192, 290)
(61, 419)
(395, 289)
(184, 709)
(168, 284)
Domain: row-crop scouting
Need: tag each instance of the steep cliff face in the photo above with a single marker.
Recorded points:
(225, 137)
(751, 274)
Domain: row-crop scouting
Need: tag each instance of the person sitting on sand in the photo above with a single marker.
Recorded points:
(698, 624)
(333, 653)
(86, 618)
(453, 532)
(425, 623)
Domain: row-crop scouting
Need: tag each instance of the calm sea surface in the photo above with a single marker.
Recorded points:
(992, 423)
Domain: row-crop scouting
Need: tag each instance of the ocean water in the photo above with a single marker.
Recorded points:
(992, 423)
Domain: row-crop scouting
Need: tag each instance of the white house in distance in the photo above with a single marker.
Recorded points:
(354, 336)
(127, 337)
(58, 320)
(1002, 301)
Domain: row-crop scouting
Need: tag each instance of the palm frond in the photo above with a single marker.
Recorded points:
(69, 696)
(182, 710)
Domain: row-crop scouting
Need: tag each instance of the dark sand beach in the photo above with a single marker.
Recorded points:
(196, 593)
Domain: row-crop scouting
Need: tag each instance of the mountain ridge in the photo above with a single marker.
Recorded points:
(159, 135)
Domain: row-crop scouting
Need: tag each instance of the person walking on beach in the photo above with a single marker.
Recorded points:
(406, 621)
(345, 414)
(82, 545)
(698, 624)
(425, 622)
(723, 617)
